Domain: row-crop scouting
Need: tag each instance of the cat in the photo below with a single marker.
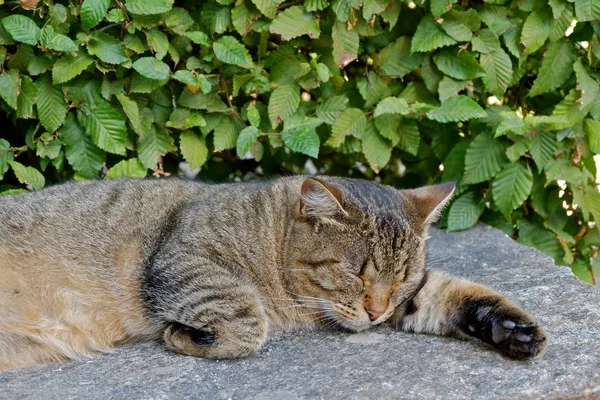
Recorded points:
(214, 269)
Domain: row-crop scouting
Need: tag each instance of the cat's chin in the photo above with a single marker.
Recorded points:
(352, 326)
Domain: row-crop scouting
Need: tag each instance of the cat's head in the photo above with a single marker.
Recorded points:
(356, 249)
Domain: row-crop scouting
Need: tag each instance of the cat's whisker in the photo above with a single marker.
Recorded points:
(299, 306)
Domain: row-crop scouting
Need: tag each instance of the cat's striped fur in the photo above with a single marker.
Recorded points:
(214, 269)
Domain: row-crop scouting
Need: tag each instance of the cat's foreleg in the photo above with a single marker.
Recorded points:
(209, 313)
(446, 305)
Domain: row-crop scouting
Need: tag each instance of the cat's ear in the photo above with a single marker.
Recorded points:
(318, 199)
(429, 201)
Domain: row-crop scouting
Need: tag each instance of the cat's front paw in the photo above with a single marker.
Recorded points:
(505, 326)
(516, 338)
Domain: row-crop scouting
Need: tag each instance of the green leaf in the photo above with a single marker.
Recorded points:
(267, 7)
(193, 79)
(455, 109)
(230, 51)
(496, 18)
(486, 42)
(396, 59)
(568, 110)
(454, 162)
(295, 22)
(586, 84)
(587, 10)
(459, 64)
(542, 147)
(485, 157)
(199, 38)
(284, 101)
(226, 134)
(56, 41)
(200, 101)
(182, 118)
(403, 133)
(10, 86)
(461, 25)
(372, 88)
(216, 19)
(158, 43)
(391, 105)
(243, 18)
(510, 122)
(449, 87)
(517, 150)
(245, 140)
(82, 154)
(131, 168)
(511, 187)
(106, 126)
(302, 140)
(535, 235)
(376, 149)
(107, 48)
(27, 98)
(152, 68)
(154, 143)
(22, 29)
(132, 111)
(351, 122)
(409, 137)
(38, 65)
(331, 108)
(68, 67)
(193, 149)
(558, 6)
(316, 5)
(431, 74)
(557, 67)
(345, 44)
(439, 7)
(5, 157)
(92, 12)
(28, 176)
(561, 24)
(51, 105)
(149, 7)
(430, 36)
(48, 147)
(253, 116)
(592, 130)
(536, 29)
(499, 71)
(464, 212)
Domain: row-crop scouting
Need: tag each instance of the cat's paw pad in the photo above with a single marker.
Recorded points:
(518, 339)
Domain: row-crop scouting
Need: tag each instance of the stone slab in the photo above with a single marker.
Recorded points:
(377, 364)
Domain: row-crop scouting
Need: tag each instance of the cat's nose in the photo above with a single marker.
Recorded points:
(373, 315)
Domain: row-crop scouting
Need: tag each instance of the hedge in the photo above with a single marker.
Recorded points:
(501, 96)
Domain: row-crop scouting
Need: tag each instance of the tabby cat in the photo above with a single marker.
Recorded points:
(213, 270)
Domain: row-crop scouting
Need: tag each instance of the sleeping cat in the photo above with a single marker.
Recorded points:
(213, 270)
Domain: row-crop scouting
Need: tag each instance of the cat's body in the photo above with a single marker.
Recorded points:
(215, 269)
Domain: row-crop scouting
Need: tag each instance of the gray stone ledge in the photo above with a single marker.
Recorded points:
(378, 364)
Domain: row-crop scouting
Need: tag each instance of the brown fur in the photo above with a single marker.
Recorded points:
(214, 269)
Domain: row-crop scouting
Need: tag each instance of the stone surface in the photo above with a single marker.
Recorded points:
(375, 364)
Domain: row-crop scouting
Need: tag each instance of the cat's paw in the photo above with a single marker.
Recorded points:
(505, 326)
(517, 338)
(209, 342)
(187, 340)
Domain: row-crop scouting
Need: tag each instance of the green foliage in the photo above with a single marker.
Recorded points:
(494, 95)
